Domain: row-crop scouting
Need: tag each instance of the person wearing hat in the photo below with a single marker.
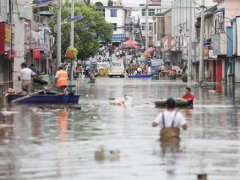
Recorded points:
(170, 122)
(187, 97)
(61, 78)
(26, 77)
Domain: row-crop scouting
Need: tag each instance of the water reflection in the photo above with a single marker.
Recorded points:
(62, 124)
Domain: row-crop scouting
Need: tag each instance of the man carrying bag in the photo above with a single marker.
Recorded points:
(170, 122)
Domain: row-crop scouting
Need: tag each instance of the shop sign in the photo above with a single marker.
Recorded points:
(205, 53)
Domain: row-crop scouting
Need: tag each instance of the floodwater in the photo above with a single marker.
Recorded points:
(60, 144)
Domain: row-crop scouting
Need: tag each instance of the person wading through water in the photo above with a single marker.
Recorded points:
(170, 122)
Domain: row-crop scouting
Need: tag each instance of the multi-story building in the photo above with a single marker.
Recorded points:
(226, 38)
(139, 14)
(180, 27)
(115, 13)
(162, 34)
(5, 44)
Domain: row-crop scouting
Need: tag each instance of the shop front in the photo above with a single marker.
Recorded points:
(6, 57)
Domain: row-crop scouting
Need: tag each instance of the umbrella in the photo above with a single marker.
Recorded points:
(129, 43)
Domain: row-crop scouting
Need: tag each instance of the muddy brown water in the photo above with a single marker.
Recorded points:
(60, 144)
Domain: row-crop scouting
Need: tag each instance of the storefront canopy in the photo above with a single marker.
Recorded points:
(130, 43)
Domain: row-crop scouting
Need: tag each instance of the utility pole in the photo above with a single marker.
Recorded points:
(190, 44)
(59, 32)
(72, 25)
(72, 35)
(146, 29)
(201, 66)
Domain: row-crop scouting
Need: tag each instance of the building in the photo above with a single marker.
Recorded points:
(115, 13)
(6, 63)
(162, 34)
(139, 15)
(180, 28)
(226, 38)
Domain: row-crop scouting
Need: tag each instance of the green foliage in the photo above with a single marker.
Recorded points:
(74, 52)
(88, 31)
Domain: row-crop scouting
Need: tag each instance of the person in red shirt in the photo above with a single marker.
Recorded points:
(188, 97)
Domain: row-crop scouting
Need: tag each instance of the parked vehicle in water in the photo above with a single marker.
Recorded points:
(117, 69)
(103, 68)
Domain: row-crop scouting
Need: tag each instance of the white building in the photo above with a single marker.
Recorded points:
(139, 13)
(114, 13)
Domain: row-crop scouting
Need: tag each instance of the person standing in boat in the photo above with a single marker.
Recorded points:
(170, 122)
(61, 79)
(187, 97)
(26, 77)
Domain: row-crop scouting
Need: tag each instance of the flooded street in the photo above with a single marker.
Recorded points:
(59, 144)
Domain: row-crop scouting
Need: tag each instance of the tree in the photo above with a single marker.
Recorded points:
(88, 31)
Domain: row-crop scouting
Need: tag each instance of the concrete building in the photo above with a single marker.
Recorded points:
(180, 26)
(227, 35)
(162, 33)
(14, 20)
(139, 14)
(5, 46)
(115, 13)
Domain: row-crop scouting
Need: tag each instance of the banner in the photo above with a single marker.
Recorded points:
(238, 35)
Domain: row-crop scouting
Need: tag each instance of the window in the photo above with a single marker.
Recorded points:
(103, 12)
(143, 12)
(219, 22)
(150, 26)
(143, 26)
(114, 26)
(113, 13)
(151, 12)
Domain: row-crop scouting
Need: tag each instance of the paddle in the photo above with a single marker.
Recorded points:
(27, 96)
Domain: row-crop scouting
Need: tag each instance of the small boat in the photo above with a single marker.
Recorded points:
(45, 98)
(140, 76)
(179, 103)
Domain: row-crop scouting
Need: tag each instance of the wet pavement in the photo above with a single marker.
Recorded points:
(60, 144)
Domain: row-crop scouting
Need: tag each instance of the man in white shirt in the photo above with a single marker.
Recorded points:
(26, 77)
(170, 121)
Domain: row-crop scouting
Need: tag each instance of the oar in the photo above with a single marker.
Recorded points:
(27, 96)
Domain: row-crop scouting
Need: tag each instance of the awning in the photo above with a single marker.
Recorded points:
(233, 19)
(220, 10)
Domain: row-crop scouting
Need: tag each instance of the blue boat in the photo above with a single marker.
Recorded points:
(140, 76)
(46, 98)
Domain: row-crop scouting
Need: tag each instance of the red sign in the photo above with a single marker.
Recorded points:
(2, 38)
(36, 54)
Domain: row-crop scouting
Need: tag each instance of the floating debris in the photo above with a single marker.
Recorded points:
(102, 154)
